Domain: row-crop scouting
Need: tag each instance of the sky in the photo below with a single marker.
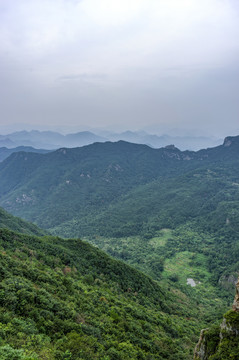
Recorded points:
(156, 65)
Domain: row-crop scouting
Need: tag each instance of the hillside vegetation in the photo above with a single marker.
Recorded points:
(5, 152)
(118, 190)
(220, 341)
(171, 214)
(16, 224)
(64, 299)
(71, 185)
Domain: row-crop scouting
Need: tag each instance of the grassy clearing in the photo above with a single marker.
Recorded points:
(161, 239)
(187, 265)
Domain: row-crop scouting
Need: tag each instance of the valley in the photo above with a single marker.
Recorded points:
(169, 218)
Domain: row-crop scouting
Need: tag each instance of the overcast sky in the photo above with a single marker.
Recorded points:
(120, 64)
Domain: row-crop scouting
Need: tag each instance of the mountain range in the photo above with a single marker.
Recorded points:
(171, 215)
(123, 189)
(53, 140)
(76, 184)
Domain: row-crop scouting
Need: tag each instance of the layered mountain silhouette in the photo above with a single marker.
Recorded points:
(53, 140)
(88, 183)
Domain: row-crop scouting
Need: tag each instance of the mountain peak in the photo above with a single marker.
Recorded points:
(171, 147)
(229, 140)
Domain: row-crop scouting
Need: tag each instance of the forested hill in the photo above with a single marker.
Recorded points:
(5, 152)
(82, 183)
(172, 214)
(64, 299)
(16, 224)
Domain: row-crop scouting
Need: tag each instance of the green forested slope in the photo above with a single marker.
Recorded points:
(64, 299)
(16, 224)
(208, 194)
(171, 214)
(5, 152)
(220, 341)
(134, 182)
(56, 187)
(201, 207)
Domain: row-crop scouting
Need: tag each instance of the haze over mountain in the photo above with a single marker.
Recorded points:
(113, 115)
(139, 63)
(55, 140)
(49, 139)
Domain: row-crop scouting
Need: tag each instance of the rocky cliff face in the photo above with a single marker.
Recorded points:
(221, 342)
(235, 305)
(200, 351)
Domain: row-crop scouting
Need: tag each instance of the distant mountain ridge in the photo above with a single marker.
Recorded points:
(5, 152)
(49, 139)
(53, 140)
(157, 141)
(51, 189)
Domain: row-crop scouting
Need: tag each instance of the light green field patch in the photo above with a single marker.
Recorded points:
(157, 241)
(187, 265)
(161, 239)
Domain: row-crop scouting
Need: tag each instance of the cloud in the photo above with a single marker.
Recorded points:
(84, 77)
(130, 62)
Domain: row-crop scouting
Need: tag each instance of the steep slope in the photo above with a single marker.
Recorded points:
(207, 194)
(220, 342)
(52, 188)
(64, 299)
(133, 189)
(73, 183)
(122, 189)
(16, 224)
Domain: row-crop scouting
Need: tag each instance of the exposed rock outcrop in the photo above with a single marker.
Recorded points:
(223, 341)
(200, 349)
(227, 141)
(228, 281)
(235, 305)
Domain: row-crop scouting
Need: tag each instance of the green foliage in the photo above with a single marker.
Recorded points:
(16, 224)
(9, 353)
(5, 152)
(67, 300)
(119, 190)
(221, 343)
(232, 319)
(168, 213)
(111, 187)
